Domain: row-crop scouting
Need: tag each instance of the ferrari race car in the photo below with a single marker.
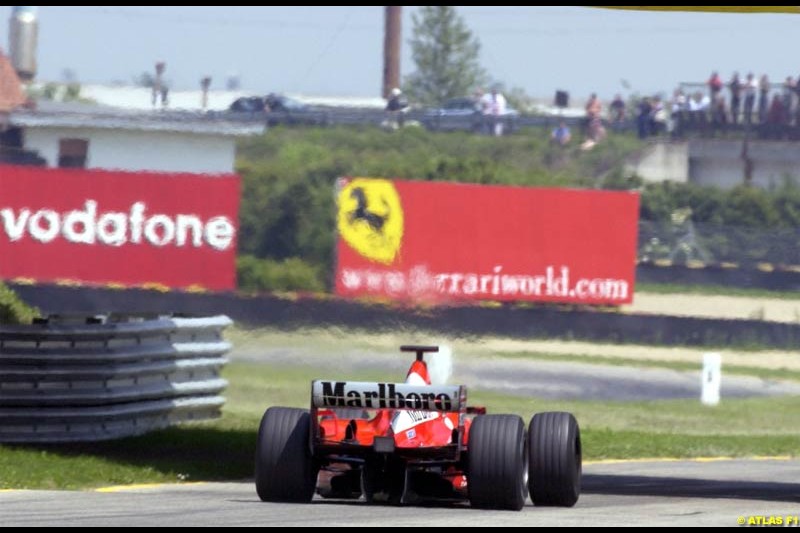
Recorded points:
(408, 442)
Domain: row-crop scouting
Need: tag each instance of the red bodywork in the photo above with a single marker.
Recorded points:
(429, 440)
(410, 429)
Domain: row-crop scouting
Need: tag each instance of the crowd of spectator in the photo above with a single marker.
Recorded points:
(751, 103)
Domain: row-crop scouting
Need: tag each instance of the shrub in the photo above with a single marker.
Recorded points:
(290, 274)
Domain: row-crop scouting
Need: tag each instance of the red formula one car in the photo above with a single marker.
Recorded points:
(407, 442)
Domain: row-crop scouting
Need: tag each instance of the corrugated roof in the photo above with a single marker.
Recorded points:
(75, 115)
(140, 98)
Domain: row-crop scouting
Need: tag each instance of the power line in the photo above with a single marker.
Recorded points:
(328, 46)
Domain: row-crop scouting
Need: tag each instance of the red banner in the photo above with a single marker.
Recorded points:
(118, 228)
(435, 242)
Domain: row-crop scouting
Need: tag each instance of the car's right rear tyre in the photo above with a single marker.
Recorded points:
(554, 444)
(497, 466)
(285, 469)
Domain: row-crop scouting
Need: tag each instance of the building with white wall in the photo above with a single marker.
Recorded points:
(89, 136)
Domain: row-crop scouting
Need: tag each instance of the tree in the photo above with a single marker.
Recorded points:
(446, 56)
(145, 79)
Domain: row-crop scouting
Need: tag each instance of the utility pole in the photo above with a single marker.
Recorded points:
(391, 48)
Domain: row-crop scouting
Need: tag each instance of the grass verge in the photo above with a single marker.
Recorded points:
(739, 370)
(224, 449)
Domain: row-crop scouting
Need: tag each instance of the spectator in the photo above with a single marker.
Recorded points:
(395, 108)
(714, 85)
(561, 135)
(719, 117)
(593, 108)
(698, 110)
(777, 118)
(750, 90)
(617, 112)
(643, 119)
(788, 97)
(658, 122)
(763, 98)
(735, 86)
(596, 130)
(797, 107)
(494, 108)
(679, 112)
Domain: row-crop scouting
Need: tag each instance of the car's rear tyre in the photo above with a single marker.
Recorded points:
(554, 444)
(497, 466)
(285, 470)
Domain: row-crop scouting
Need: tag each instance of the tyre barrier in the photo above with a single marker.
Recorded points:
(103, 378)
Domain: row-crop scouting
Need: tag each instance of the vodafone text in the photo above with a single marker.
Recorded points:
(89, 225)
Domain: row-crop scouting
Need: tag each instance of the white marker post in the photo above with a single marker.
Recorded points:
(711, 378)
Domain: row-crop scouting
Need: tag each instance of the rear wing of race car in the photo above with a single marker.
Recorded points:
(376, 395)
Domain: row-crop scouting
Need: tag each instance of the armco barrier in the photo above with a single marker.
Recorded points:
(63, 381)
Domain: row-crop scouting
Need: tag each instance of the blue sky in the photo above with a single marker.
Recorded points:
(338, 50)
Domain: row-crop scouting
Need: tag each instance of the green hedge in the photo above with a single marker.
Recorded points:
(291, 274)
(743, 225)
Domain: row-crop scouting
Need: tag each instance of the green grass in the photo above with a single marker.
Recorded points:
(715, 290)
(13, 310)
(221, 450)
(224, 449)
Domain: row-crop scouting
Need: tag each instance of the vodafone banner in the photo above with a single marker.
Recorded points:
(440, 242)
(118, 228)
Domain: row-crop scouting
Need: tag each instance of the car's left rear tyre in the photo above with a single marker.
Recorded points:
(285, 469)
(497, 466)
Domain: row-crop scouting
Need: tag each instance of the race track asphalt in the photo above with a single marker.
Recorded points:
(633, 493)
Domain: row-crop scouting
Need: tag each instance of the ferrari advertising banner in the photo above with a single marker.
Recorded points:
(444, 242)
(118, 228)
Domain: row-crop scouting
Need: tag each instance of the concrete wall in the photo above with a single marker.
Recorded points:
(139, 150)
(719, 162)
(662, 161)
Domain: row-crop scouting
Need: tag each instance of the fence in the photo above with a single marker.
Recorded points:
(689, 242)
(377, 117)
(108, 377)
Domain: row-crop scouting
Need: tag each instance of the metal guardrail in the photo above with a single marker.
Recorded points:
(378, 117)
(63, 381)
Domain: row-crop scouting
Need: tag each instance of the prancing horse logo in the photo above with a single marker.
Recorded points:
(370, 218)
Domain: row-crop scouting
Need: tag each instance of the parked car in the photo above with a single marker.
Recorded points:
(280, 109)
(465, 114)
(248, 104)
